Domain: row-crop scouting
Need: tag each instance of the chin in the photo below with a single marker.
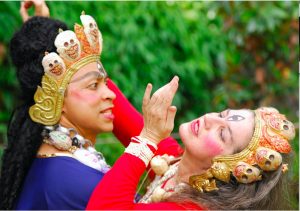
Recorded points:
(106, 128)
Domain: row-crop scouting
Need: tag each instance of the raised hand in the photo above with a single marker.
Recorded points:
(158, 113)
(40, 9)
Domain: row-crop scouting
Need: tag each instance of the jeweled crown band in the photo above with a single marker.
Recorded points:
(76, 49)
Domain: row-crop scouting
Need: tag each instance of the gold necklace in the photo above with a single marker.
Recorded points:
(57, 154)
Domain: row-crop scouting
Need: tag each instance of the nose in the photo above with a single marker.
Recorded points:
(108, 94)
(212, 120)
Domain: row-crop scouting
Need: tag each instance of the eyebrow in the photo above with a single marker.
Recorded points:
(94, 74)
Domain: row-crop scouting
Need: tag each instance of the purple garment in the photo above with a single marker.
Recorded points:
(58, 183)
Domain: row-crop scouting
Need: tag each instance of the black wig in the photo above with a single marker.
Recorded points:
(27, 48)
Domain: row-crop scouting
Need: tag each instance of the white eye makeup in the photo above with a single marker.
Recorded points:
(235, 118)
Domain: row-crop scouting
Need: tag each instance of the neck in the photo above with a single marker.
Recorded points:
(84, 133)
(189, 166)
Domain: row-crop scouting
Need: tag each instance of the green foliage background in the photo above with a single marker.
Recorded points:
(227, 54)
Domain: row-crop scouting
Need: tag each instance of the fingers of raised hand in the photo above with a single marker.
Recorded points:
(168, 91)
(161, 100)
(158, 113)
(23, 11)
(170, 118)
(40, 9)
(146, 98)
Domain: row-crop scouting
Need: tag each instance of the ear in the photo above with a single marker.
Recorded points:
(63, 110)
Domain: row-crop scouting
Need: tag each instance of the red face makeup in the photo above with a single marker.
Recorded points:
(87, 97)
(212, 146)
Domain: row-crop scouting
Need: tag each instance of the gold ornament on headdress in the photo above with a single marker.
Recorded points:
(76, 49)
(271, 137)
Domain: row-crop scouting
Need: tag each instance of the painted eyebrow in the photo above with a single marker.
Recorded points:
(94, 74)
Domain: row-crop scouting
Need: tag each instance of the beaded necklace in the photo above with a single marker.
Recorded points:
(67, 139)
(155, 191)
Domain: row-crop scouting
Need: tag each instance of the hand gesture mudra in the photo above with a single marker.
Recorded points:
(158, 112)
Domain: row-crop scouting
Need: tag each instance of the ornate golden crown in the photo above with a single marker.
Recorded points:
(271, 137)
(76, 49)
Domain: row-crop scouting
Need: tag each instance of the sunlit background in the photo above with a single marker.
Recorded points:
(227, 54)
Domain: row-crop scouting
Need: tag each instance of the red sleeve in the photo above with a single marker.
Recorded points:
(118, 187)
(128, 122)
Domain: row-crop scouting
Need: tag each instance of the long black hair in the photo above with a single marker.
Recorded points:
(27, 48)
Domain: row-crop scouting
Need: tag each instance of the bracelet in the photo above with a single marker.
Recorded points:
(150, 144)
(142, 149)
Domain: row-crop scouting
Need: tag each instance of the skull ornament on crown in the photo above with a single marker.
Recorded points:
(92, 32)
(267, 159)
(53, 65)
(68, 46)
(245, 173)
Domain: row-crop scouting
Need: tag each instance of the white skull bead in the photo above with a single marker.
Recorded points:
(68, 46)
(53, 65)
(91, 31)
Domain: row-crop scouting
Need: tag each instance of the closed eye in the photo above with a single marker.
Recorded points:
(230, 118)
(221, 134)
